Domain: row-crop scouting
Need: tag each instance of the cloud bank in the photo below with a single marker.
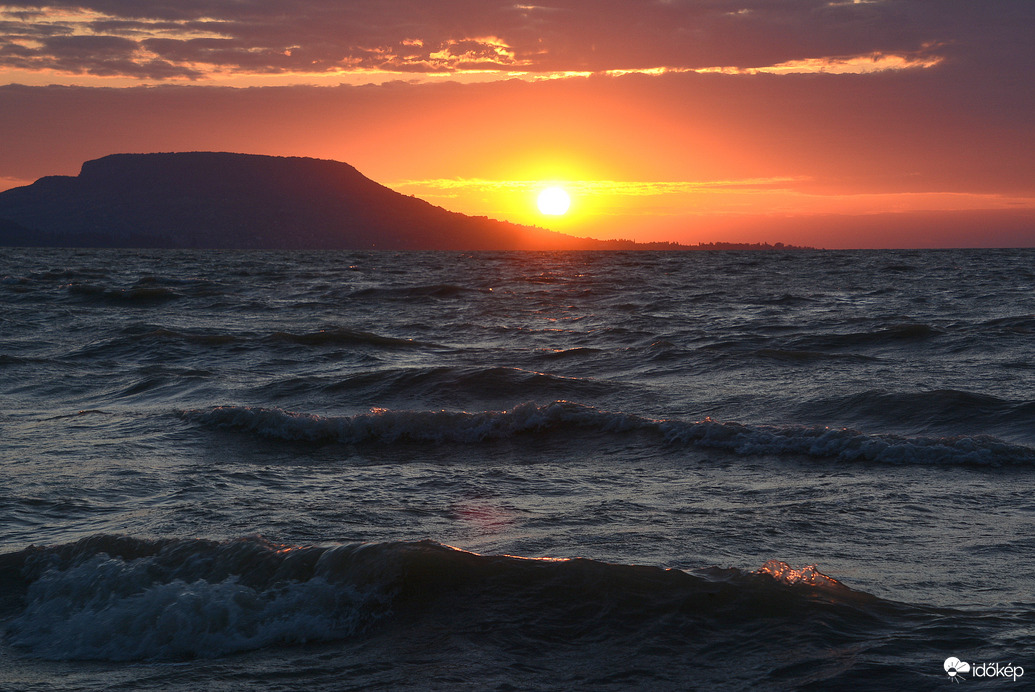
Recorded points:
(197, 39)
(769, 108)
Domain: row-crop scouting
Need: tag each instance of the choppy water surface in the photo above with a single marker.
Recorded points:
(801, 470)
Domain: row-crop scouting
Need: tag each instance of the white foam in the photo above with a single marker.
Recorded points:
(107, 608)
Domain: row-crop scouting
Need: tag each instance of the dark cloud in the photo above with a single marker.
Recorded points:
(97, 55)
(27, 30)
(96, 47)
(555, 35)
(128, 27)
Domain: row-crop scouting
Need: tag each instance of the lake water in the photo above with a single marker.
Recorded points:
(334, 470)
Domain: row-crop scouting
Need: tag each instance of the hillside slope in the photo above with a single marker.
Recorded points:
(226, 200)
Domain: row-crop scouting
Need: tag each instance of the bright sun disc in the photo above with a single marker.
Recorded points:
(553, 201)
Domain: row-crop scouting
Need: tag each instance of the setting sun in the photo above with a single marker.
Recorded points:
(553, 201)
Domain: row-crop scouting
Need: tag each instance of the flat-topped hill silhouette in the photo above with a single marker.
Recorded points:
(241, 201)
(248, 201)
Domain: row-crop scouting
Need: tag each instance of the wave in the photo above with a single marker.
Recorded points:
(141, 295)
(14, 281)
(140, 340)
(438, 382)
(135, 338)
(937, 408)
(155, 335)
(903, 333)
(795, 356)
(342, 336)
(440, 291)
(7, 359)
(1019, 324)
(390, 426)
(120, 598)
(578, 351)
(783, 299)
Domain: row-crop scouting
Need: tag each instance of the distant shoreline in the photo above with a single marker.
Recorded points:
(221, 200)
(604, 246)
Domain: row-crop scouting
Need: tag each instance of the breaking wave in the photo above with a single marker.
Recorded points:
(110, 597)
(390, 426)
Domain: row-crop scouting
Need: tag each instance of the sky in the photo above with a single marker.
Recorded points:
(840, 124)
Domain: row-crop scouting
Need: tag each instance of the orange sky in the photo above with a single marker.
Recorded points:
(862, 123)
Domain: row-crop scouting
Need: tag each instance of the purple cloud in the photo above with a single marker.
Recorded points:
(557, 35)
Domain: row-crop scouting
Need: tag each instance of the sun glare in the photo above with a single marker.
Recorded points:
(553, 201)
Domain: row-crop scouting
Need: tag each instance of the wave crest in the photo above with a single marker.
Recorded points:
(389, 426)
(383, 425)
(122, 598)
